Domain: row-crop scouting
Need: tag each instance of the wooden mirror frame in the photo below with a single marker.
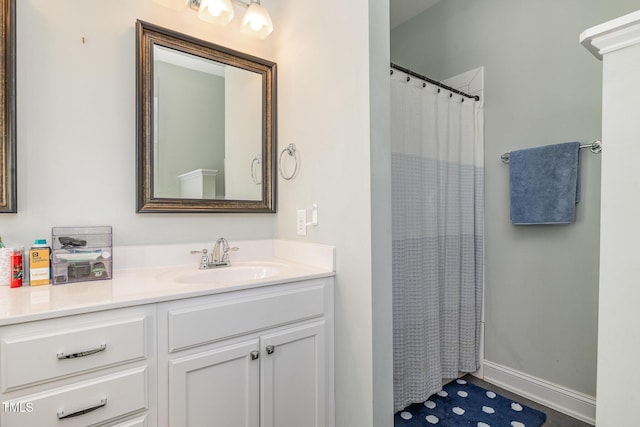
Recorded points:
(148, 36)
(8, 176)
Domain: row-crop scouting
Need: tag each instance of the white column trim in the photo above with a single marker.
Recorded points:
(612, 35)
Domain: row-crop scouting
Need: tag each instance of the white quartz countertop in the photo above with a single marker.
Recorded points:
(286, 262)
(135, 287)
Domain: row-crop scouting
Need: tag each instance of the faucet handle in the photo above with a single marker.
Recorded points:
(225, 252)
(204, 259)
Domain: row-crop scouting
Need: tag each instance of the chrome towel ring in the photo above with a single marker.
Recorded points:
(292, 152)
(256, 163)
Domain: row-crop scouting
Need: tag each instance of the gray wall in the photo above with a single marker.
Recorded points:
(77, 123)
(191, 130)
(542, 87)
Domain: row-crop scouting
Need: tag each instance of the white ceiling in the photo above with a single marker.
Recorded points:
(403, 10)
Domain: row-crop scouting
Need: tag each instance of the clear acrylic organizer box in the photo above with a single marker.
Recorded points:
(81, 254)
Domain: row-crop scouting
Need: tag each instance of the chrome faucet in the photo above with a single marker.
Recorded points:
(219, 257)
(221, 250)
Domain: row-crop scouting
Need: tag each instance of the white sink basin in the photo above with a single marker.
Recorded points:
(222, 275)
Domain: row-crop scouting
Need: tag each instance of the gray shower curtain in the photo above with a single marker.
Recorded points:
(437, 217)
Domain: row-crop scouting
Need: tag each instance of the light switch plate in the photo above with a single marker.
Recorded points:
(301, 222)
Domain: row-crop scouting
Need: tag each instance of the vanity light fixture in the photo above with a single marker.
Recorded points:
(256, 21)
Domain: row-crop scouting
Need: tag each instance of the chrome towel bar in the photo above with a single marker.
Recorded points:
(595, 147)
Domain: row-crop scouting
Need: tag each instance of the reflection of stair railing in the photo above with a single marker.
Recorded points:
(256, 163)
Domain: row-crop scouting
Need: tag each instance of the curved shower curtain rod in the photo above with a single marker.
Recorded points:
(433, 82)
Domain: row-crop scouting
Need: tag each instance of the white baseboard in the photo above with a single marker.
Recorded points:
(562, 399)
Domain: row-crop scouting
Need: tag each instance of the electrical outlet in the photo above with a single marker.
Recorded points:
(301, 222)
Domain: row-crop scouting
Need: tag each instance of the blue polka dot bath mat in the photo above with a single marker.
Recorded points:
(464, 404)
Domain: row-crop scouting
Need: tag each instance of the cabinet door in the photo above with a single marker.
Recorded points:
(220, 385)
(293, 377)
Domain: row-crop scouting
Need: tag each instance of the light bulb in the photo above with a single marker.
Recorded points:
(218, 12)
(215, 10)
(255, 25)
(257, 22)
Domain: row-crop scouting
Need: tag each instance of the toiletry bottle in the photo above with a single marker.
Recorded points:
(39, 263)
(16, 266)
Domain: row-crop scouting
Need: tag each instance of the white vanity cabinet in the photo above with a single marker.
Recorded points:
(148, 348)
(88, 369)
(259, 357)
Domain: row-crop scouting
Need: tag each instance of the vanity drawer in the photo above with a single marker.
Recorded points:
(82, 404)
(46, 354)
(136, 422)
(218, 320)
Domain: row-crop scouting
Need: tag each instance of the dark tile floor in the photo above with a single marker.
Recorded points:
(554, 418)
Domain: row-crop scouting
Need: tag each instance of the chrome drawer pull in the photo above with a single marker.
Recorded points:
(62, 415)
(270, 349)
(62, 356)
(255, 355)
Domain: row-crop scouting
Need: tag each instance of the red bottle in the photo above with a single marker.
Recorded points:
(16, 267)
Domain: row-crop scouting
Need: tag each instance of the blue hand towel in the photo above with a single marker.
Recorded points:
(544, 184)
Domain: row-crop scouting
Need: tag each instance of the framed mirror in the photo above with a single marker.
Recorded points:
(206, 126)
(8, 186)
